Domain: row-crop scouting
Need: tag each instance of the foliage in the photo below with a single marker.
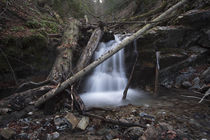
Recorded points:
(69, 7)
(17, 28)
(49, 26)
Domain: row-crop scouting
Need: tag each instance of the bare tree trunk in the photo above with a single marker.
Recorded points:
(125, 42)
(129, 80)
(89, 49)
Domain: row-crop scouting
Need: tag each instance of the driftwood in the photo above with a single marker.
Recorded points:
(110, 53)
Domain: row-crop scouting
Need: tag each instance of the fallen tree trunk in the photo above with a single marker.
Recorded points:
(125, 42)
(89, 49)
(63, 63)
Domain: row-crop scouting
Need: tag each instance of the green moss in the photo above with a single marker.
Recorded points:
(51, 27)
(34, 24)
(17, 28)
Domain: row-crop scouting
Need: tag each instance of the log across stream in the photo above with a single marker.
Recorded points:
(105, 85)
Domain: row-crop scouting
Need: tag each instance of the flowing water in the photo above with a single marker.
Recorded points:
(105, 86)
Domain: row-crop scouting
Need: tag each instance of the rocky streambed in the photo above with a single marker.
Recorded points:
(173, 116)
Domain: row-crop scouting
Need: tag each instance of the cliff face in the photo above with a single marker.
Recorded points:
(183, 42)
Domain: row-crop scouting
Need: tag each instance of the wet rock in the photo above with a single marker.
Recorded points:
(134, 132)
(160, 131)
(205, 39)
(107, 36)
(194, 122)
(185, 76)
(23, 136)
(7, 133)
(72, 119)
(196, 83)
(61, 123)
(186, 84)
(197, 49)
(83, 123)
(103, 131)
(53, 136)
(206, 75)
(195, 18)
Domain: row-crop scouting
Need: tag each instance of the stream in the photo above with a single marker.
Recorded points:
(105, 86)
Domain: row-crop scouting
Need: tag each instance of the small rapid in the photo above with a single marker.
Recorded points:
(105, 86)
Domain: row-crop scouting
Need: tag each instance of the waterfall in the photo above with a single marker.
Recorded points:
(108, 80)
(110, 75)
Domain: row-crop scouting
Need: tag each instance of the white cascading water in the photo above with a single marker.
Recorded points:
(106, 84)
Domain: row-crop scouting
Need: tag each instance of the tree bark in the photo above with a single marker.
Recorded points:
(89, 49)
(110, 53)
(63, 64)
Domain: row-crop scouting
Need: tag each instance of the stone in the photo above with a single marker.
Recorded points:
(196, 83)
(197, 49)
(186, 84)
(55, 135)
(160, 131)
(61, 123)
(72, 119)
(7, 133)
(184, 76)
(134, 132)
(206, 75)
(83, 123)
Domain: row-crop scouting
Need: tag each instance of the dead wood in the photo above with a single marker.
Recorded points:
(28, 96)
(130, 79)
(63, 63)
(87, 53)
(151, 12)
(110, 53)
(31, 85)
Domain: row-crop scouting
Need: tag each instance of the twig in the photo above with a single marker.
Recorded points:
(206, 94)
(31, 84)
(11, 69)
(194, 97)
